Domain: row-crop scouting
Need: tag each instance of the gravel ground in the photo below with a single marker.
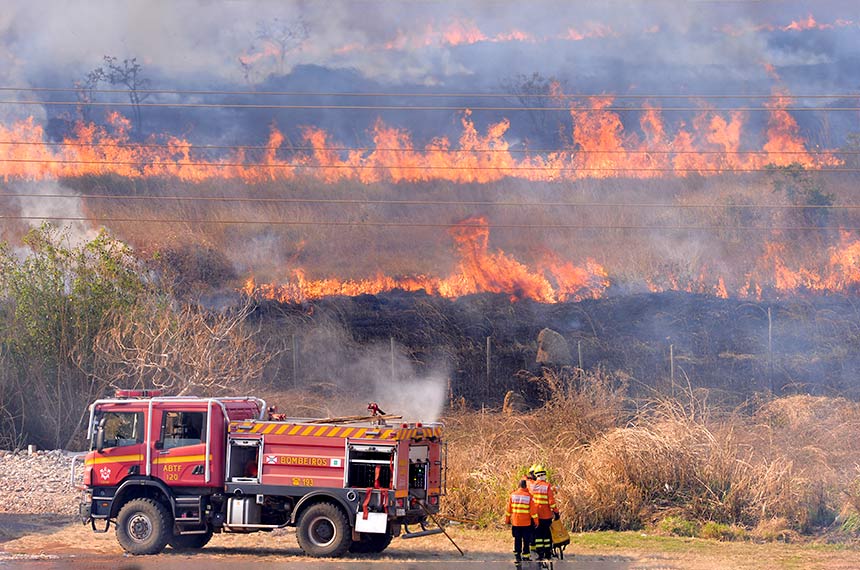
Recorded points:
(38, 483)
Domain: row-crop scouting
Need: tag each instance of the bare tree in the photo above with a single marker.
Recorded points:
(536, 93)
(85, 92)
(128, 73)
(181, 350)
(278, 38)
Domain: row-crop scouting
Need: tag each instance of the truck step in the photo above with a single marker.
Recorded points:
(426, 532)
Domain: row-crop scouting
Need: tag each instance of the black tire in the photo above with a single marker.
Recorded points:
(190, 541)
(143, 526)
(371, 543)
(323, 531)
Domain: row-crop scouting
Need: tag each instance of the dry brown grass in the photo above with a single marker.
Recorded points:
(629, 256)
(784, 467)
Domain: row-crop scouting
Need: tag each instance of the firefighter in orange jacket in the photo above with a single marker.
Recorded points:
(547, 511)
(522, 515)
(530, 477)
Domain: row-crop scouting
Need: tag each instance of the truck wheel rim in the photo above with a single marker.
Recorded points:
(322, 531)
(139, 527)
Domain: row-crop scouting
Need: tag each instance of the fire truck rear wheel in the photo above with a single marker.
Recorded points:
(371, 543)
(143, 526)
(323, 530)
(190, 541)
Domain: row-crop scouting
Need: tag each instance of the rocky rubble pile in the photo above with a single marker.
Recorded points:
(37, 483)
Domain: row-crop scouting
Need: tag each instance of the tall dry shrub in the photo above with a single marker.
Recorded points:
(490, 451)
(180, 350)
(790, 460)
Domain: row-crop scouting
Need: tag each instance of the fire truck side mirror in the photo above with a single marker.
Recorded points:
(100, 436)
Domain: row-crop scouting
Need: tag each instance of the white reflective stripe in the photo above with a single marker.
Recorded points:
(522, 499)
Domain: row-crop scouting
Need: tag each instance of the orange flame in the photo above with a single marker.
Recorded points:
(591, 30)
(799, 25)
(479, 271)
(600, 148)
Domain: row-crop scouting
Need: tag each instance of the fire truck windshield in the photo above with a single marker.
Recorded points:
(120, 428)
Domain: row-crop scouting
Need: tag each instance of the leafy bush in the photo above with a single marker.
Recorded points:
(678, 526)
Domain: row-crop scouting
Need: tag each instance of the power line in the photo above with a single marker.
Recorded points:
(450, 95)
(145, 163)
(420, 107)
(408, 225)
(344, 201)
(192, 147)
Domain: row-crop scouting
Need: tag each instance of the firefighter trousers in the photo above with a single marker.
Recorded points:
(543, 538)
(522, 540)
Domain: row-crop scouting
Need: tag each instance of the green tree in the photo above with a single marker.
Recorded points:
(55, 300)
(803, 188)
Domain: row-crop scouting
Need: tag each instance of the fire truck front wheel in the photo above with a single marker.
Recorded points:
(324, 531)
(143, 526)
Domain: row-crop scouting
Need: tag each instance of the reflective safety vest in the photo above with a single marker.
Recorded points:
(544, 499)
(522, 509)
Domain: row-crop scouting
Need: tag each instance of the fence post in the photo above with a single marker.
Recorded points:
(672, 367)
(770, 350)
(487, 388)
(391, 343)
(295, 362)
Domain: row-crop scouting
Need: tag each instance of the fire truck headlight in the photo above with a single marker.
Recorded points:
(434, 500)
(400, 512)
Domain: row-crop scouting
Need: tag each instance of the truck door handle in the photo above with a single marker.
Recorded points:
(198, 470)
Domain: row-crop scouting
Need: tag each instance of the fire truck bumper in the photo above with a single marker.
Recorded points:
(85, 511)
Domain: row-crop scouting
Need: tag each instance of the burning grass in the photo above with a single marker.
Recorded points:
(770, 471)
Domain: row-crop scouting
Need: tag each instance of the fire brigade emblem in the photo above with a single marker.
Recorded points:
(105, 473)
(271, 459)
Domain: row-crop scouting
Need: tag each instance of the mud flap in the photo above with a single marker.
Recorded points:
(372, 522)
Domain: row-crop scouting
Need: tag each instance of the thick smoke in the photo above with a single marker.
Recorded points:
(356, 374)
(695, 46)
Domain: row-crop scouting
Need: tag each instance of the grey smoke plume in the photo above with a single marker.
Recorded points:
(693, 45)
(363, 373)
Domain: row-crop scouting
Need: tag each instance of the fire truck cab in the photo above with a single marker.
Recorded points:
(175, 470)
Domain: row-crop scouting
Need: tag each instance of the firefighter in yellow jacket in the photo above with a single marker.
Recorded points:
(521, 513)
(547, 510)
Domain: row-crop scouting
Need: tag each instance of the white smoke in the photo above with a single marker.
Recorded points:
(363, 372)
(43, 206)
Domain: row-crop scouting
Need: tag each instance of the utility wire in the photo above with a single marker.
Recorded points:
(408, 225)
(193, 147)
(369, 202)
(145, 163)
(419, 107)
(432, 95)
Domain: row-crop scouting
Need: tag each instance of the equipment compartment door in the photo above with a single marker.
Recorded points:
(370, 466)
(180, 452)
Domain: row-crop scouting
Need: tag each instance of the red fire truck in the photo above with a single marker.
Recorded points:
(175, 470)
